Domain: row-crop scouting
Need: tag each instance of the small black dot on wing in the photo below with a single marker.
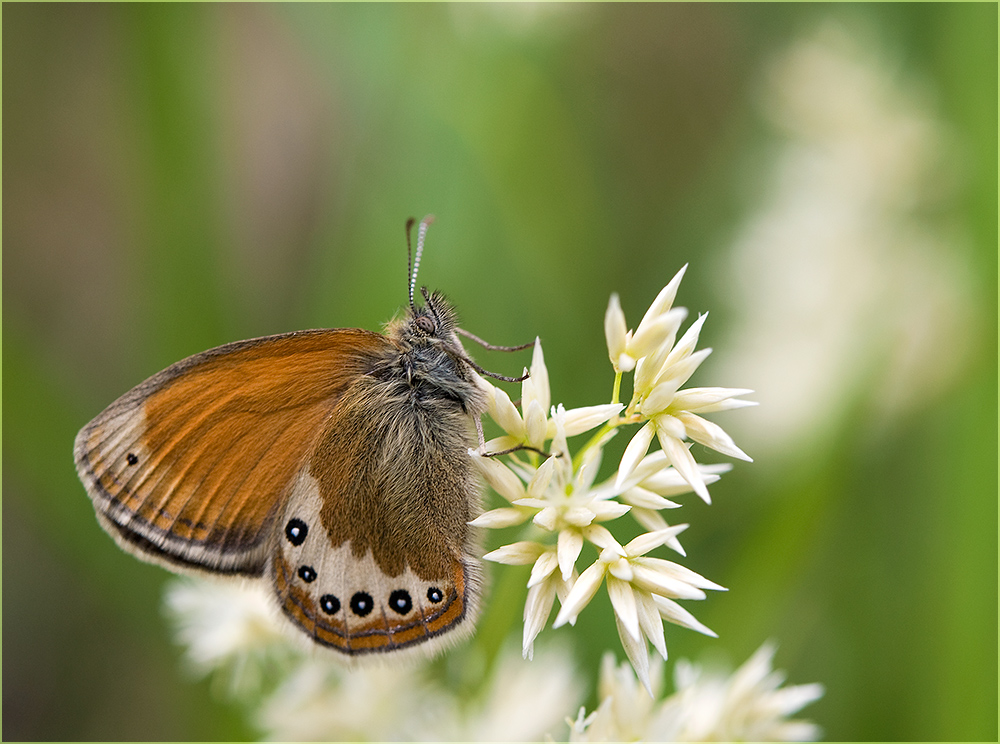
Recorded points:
(362, 603)
(435, 595)
(307, 574)
(400, 601)
(329, 604)
(296, 531)
(131, 458)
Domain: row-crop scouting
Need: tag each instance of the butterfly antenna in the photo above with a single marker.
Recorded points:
(410, 276)
(421, 234)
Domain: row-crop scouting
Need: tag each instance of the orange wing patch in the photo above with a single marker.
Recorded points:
(192, 466)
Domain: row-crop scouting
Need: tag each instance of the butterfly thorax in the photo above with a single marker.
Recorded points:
(431, 359)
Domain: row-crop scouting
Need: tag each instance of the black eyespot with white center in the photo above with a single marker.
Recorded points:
(362, 603)
(307, 574)
(296, 531)
(435, 595)
(329, 604)
(400, 601)
(131, 458)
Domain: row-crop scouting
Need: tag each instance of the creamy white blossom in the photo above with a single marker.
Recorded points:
(228, 627)
(671, 414)
(633, 581)
(322, 701)
(656, 330)
(556, 491)
(748, 705)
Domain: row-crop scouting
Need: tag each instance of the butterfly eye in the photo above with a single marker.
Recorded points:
(330, 604)
(296, 531)
(400, 601)
(435, 595)
(425, 324)
(362, 603)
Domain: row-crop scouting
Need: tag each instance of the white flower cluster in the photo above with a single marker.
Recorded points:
(749, 705)
(559, 495)
(297, 692)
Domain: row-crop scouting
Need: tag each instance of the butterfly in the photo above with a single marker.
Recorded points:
(331, 464)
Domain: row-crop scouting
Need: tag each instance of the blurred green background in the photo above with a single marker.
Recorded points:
(180, 176)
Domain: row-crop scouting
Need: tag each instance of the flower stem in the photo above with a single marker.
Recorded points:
(618, 387)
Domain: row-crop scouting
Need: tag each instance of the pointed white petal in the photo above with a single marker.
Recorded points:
(605, 511)
(578, 516)
(679, 572)
(547, 518)
(677, 373)
(688, 341)
(579, 420)
(659, 582)
(650, 366)
(580, 595)
(504, 412)
(537, 608)
(623, 602)
(569, 546)
(615, 329)
(674, 613)
(504, 517)
(540, 378)
(535, 424)
(544, 566)
(668, 482)
(540, 480)
(638, 496)
(650, 464)
(649, 336)
(500, 444)
(516, 554)
(665, 299)
(698, 398)
(711, 435)
(621, 569)
(670, 426)
(659, 397)
(684, 463)
(637, 654)
(499, 476)
(634, 452)
(651, 540)
(650, 622)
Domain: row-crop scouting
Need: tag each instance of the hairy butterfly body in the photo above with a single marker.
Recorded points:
(333, 464)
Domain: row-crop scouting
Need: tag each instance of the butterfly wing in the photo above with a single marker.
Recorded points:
(375, 553)
(192, 467)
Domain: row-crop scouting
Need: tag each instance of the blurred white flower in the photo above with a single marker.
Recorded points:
(749, 705)
(321, 701)
(228, 627)
(853, 293)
